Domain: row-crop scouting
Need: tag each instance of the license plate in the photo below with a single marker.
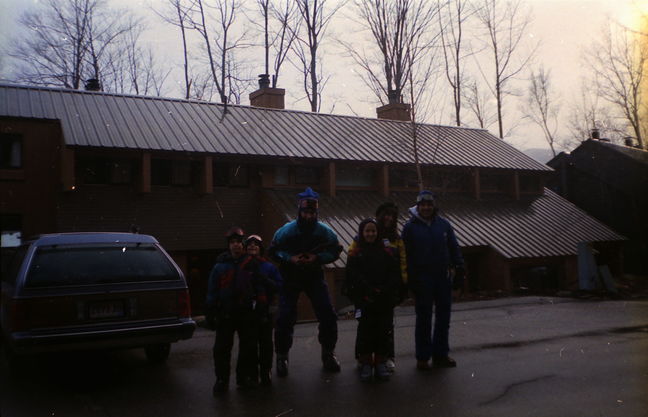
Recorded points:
(106, 309)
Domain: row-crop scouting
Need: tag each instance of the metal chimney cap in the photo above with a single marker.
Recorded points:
(92, 84)
(596, 134)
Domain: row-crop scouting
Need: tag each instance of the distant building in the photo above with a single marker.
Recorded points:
(185, 171)
(610, 182)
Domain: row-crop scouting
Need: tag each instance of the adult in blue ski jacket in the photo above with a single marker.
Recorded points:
(433, 256)
(301, 247)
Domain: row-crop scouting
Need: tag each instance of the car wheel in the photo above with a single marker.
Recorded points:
(158, 353)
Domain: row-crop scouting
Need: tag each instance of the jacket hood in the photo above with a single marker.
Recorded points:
(415, 214)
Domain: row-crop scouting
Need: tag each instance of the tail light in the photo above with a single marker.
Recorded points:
(19, 315)
(184, 304)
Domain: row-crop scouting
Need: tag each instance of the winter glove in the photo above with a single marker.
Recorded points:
(459, 277)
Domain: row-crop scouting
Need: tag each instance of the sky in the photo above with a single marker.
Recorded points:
(563, 27)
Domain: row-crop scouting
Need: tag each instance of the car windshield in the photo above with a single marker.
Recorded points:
(98, 264)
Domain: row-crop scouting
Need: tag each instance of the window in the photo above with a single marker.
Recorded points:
(181, 172)
(402, 177)
(238, 175)
(307, 176)
(11, 225)
(230, 174)
(102, 170)
(350, 176)
(447, 180)
(161, 171)
(10, 151)
(282, 175)
(497, 183)
(529, 184)
(121, 171)
(220, 173)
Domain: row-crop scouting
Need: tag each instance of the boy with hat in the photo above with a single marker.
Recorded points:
(432, 252)
(231, 300)
(302, 247)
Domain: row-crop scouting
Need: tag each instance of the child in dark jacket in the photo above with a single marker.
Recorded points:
(372, 283)
(267, 284)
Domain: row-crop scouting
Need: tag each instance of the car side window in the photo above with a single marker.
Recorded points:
(11, 264)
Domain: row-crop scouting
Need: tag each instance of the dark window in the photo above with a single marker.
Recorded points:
(238, 175)
(447, 180)
(181, 172)
(98, 264)
(121, 171)
(354, 176)
(230, 174)
(307, 175)
(11, 225)
(10, 151)
(282, 175)
(102, 170)
(402, 177)
(94, 170)
(161, 171)
(220, 173)
(529, 183)
(498, 183)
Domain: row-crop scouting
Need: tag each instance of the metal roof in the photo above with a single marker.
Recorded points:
(149, 123)
(541, 226)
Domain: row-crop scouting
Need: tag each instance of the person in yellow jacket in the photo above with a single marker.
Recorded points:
(387, 222)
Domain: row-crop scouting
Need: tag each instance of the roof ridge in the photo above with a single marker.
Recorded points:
(242, 106)
(617, 146)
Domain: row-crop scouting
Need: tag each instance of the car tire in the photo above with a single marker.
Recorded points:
(158, 353)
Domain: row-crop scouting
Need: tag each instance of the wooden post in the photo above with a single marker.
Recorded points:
(207, 179)
(477, 184)
(145, 173)
(516, 185)
(330, 179)
(383, 180)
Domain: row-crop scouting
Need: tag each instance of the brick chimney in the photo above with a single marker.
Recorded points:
(395, 109)
(271, 98)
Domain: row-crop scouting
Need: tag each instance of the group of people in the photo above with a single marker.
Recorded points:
(382, 268)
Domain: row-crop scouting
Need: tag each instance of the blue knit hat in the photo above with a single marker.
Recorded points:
(307, 199)
(425, 195)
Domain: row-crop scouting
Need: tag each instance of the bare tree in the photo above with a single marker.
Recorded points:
(452, 16)
(620, 59)
(315, 18)
(477, 102)
(505, 23)
(280, 28)
(587, 113)
(179, 16)
(402, 39)
(68, 41)
(542, 105)
(220, 49)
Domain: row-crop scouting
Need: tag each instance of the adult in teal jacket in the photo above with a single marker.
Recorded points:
(302, 247)
(432, 255)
